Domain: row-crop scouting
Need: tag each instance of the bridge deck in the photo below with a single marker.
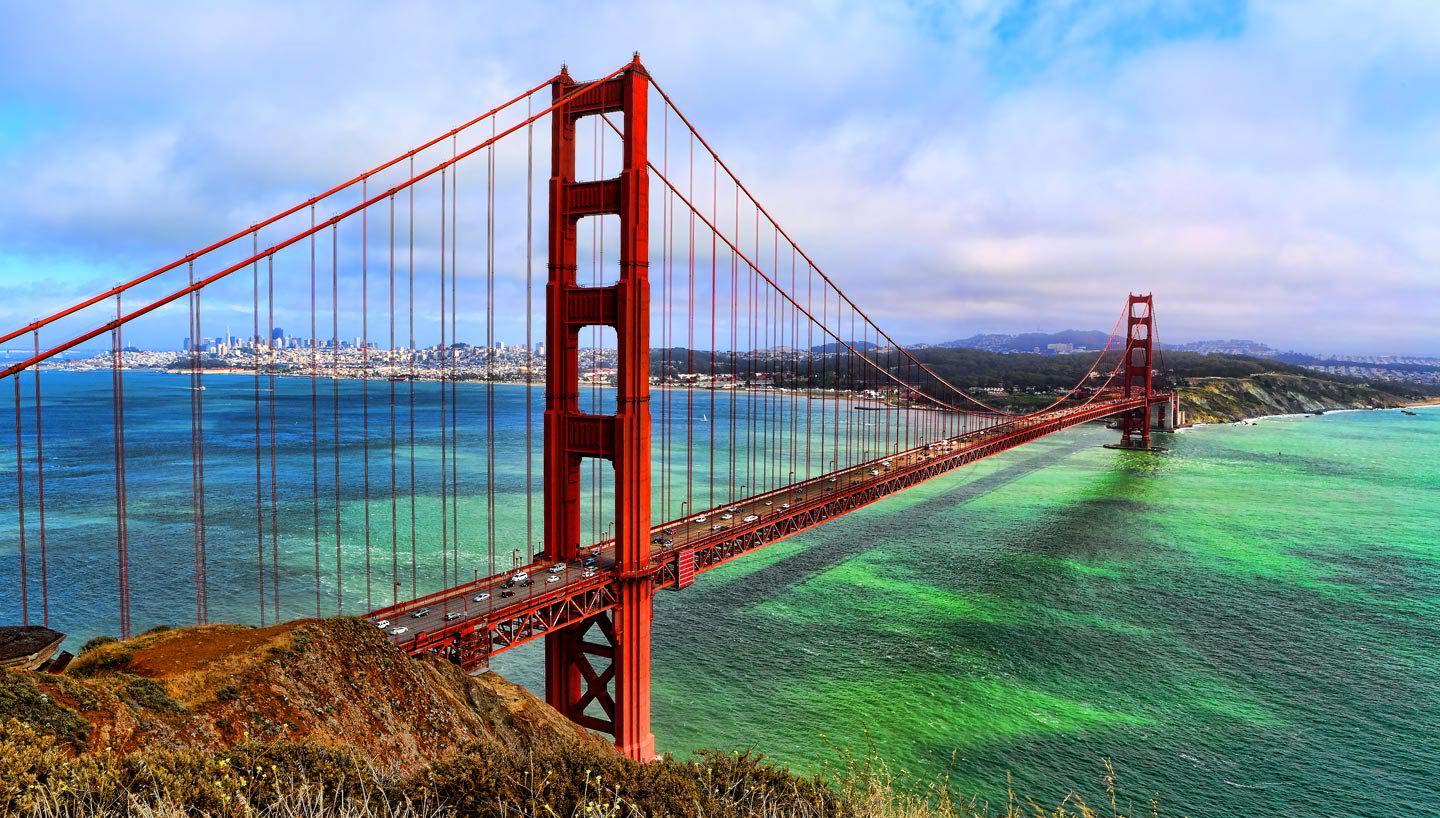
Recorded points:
(475, 620)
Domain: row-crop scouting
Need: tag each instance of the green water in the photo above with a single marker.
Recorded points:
(1247, 624)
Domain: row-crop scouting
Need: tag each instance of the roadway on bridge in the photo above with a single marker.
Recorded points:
(482, 599)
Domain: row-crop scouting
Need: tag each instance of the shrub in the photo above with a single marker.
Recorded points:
(96, 642)
(151, 695)
(101, 660)
(21, 700)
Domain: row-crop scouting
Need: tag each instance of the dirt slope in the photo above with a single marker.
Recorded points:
(334, 682)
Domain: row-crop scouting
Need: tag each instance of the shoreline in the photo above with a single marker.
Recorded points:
(1250, 421)
(809, 394)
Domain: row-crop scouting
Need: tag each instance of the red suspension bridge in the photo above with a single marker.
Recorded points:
(479, 517)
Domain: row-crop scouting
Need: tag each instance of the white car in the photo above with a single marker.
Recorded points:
(557, 568)
(702, 518)
(480, 597)
(398, 631)
(383, 624)
(874, 473)
(750, 518)
(520, 577)
(588, 573)
(552, 578)
(784, 505)
(832, 480)
(726, 516)
(453, 615)
(732, 509)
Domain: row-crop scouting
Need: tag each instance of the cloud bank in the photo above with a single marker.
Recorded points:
(1267, 169)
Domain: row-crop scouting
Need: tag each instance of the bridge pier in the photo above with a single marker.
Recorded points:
(602, 684)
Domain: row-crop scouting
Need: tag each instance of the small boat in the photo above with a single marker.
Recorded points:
(1407, 412)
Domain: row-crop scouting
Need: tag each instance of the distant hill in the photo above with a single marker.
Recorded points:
(1234, 346)
(1030, 341)
(835, 346)
(1095, 340)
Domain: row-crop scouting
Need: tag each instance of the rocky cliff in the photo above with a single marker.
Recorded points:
(333, 682)
(1226, 400)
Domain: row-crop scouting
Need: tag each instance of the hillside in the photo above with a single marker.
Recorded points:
(325, 719)
(334, 682)
(1226, 400)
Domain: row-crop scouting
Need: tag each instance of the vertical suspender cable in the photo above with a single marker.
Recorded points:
(274, 482)
(122, 523)
(391, 371)
(809, 367)
(259, 488)
(454, 341)
(365, 376)
(690, 343)
(335, 405)
(666, 215)
(40, 492)
(529, 337)
(314, 419)
(193, 350)
(714, 296)
(734, 299)
(444, 439)
(410, 307)
(490, 359)
(20, 495)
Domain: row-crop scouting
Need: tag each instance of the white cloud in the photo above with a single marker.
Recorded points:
(1262, 185)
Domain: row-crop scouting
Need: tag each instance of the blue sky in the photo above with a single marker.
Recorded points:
(1268, 169)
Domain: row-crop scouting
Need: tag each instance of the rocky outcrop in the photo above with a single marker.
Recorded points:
(331, 682)
(1226, 400)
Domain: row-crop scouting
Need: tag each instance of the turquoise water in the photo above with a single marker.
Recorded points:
(1245, 624)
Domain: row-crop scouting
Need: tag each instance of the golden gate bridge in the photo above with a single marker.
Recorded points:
(780, 404)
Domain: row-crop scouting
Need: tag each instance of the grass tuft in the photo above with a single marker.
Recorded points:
(43, 779)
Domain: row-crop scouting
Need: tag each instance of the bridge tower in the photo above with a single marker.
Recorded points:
(1139, 374)
(618, 684)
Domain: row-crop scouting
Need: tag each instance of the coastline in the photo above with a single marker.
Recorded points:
(1250, 421)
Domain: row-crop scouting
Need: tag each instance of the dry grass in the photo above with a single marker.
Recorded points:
(40, 778)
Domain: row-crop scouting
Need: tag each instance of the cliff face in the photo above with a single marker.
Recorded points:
(1226, 400)
(333, 682)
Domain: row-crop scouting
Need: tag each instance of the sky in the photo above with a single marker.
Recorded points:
(1270, 170)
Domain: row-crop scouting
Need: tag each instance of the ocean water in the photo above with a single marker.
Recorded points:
(1245, 624)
